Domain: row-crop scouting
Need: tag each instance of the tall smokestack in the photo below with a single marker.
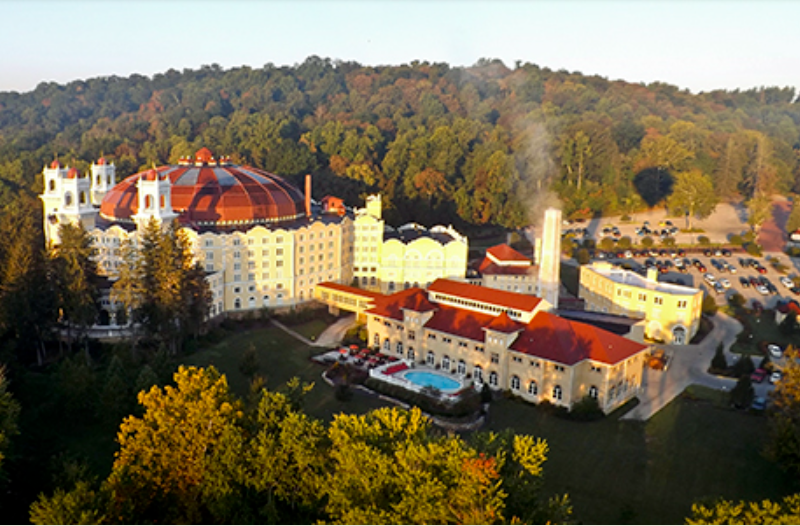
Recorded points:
(550, 258)
(308, 195)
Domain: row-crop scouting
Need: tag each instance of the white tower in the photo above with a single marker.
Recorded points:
(550, 257)
(66, 199)
(102, 180)
(155, 199)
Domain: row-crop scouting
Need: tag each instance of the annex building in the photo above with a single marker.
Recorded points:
(671, 312)
(507, 340)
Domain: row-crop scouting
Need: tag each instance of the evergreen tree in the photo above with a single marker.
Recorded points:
(718, 362)
(742, 393)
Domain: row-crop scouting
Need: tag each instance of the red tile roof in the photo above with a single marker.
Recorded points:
(500, 298)
(460, 322)
(392, 306)
(351, 290)
(489, 267)
(504, 252)
(569, 342)
(503, 323)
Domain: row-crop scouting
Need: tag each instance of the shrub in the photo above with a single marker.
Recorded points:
(753, 249)
(625, 242)
(607, 243)
(647, 242)
(793, 252)
(467, 404)
(582, 256)
(589, 243)
(736, 239)
(703, 240)
(585, 409)
(718, 363)
(709, 307)
(626, 218)
(736, 300)
(668, 242)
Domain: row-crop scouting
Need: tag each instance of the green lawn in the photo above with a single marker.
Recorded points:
(650, 473)
(614, 471)
(311, 329)
(763, 329)
(280, 358)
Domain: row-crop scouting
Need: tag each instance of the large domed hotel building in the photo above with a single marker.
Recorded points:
(262, 241)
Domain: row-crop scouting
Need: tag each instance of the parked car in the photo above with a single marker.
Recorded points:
(775, 377)
(726, 252)
(725, 283)
(759, 403)
(758, 375)
(718, 288)
(786, 282)
(774, 350)
(745, 282)
(761, 289)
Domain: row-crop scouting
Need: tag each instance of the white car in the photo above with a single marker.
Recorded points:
(731, 269)
(761, 289)
(775, 377)
(774, 350)
(709, 278)
(786, 282)
(725, 283)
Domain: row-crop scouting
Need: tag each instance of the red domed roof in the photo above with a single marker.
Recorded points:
(55, 164)
(101, 161)
(212, 194)
(73, 173)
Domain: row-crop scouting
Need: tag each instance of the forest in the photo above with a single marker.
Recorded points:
(477, 146)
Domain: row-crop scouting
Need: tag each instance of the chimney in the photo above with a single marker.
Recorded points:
(308, 195)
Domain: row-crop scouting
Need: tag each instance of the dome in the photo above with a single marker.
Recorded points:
(209, 193)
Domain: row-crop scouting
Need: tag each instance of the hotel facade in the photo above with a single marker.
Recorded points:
(508, 341)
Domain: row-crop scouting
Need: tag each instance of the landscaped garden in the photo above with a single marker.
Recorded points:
(760, 329)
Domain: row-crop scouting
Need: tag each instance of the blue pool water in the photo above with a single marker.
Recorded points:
(438, 381)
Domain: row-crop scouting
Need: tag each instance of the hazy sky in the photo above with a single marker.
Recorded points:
(691, 44)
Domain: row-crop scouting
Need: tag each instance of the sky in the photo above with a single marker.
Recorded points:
(695, 45)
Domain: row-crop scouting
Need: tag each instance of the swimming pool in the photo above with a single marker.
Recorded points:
(432, 379)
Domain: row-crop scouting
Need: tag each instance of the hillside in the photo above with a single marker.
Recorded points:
(469, 146)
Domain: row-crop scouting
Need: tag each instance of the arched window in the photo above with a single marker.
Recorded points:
(446, 363)
(265, 300)
(391, 286)
(237, 304)
(83, 198)
(68, 199)
(302, 296)
(163, 201)
(386, 345)
(533, 389)
(399, 347)
(430, 359)
(372, 281)
(493, 379)
(462, 367)
(52, 185)
(251, 302)
(477, 374)
(376, 340)
(411, 353)
(593, 392)
(557, 392)
(515, 383)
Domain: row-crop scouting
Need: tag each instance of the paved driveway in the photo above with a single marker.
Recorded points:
(688, 366)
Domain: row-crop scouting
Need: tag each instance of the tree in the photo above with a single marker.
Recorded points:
(718, 362)
(793, 221)
(743, 392)
(693, 195)
(81, 505)
(9, 414)
(787, 511)
(76, 278)
(709, 307)
(744, 367)
(784, 416)
(179, 459)
(759, 209)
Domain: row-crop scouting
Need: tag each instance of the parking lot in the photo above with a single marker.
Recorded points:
(728, 271)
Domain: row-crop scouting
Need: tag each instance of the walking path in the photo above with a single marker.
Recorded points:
(329, 337)
(688, 365)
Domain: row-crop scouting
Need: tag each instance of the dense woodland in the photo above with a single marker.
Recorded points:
(477, 147)
(469, 146)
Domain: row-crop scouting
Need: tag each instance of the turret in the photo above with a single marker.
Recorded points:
(155, 199)
(103, 175)
(66, 199)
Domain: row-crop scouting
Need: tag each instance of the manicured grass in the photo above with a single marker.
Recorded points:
(650, 473)
(280, 358)
(311, 329)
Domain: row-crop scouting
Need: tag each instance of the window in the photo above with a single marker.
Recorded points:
(534, 363)
(593, 392)
(493, 379)
(658, 300)
(558, 368)
(411, 335)
(399, 347)
(515, 383)
(682, 304)
(279, 240)
(477, 374)
(595, 369)
(236, 241)
(386, 344)
(517, 359)
(237, 266)
(431, 336)
(278, 251)
(557, 392)
(479, 348)
(430, 359)
(533, 389)
(446, 363)
(237, 290)
(461, 368)
(411, 353)
(495, 358)
(376, 340)
(237, 304)
(642, 297)
(237, 254)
